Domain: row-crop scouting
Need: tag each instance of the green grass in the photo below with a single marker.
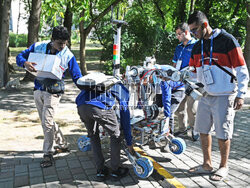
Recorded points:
(93, 51)
(91, 54)
(90, 44)
(16, 50)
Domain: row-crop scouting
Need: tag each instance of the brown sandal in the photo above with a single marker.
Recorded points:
(59, 149)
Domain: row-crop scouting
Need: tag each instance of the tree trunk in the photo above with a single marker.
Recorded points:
(247, 43)
(83, 38)
(83, 64)
(4, 41)
(161, 13)
(84, 32)
(34, 22)
(181, 11)
(19, 16)
(208, 5)
(68, 22)
(192, 7)
(236, 9)
(33, 29)
(1, 16)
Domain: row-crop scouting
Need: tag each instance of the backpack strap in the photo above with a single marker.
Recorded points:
(233, 77)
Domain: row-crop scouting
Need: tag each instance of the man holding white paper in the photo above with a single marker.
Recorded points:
(41, 59)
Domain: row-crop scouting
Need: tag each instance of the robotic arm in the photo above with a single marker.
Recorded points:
(136, 73)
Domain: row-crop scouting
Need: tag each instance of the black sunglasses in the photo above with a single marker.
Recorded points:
(194, 30)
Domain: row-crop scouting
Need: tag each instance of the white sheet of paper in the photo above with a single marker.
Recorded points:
(47, 65)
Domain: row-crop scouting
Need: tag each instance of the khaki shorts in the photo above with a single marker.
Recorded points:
(216, 113)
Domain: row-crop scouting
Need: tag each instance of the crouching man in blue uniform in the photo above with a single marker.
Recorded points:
(170, 101)
(48, 92)
(172, 95)
(96, 109)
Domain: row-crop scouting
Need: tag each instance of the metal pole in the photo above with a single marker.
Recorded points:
(116, 51)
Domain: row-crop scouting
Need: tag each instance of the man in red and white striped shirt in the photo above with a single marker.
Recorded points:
(220, 66)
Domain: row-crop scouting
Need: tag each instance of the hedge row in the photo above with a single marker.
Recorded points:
(18, 40)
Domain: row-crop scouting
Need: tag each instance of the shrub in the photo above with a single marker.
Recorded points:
(18, 40)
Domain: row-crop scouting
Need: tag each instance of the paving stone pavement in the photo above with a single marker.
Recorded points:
(77, 169)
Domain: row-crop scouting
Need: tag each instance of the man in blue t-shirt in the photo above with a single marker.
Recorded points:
(184, 103)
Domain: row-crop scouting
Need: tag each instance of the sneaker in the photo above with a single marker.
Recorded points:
(47, 161)
(102, 174)
(151, 144)
(195, 135)
(163, 149)
(181, 133)
(119, 173)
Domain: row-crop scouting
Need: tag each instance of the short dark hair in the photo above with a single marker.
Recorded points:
(60, 33)
(182, 26)
(197, 17)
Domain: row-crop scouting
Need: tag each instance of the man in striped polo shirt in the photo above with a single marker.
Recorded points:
(219, 63)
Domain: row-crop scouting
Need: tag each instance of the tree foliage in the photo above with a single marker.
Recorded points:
(151, 24)
(151, 27)
(228, 14)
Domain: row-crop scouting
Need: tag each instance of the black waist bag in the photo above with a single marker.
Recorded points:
(52, 86)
